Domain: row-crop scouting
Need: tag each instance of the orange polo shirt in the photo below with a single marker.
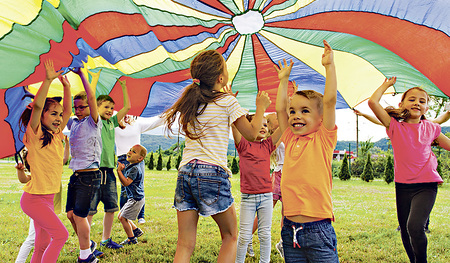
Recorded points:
(306, 180)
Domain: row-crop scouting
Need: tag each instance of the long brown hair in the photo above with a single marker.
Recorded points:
(206, 68)
(403, 114)
(26, 115)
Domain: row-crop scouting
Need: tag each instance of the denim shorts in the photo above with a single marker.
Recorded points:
(80, 191)
(107, 193)
(203, 188)
(309, 242)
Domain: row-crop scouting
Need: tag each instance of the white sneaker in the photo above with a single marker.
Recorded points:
(279, 247)
(141, 220)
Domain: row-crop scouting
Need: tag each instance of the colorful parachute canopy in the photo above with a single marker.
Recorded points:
(151, 43)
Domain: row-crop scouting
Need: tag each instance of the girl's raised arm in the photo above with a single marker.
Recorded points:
(67, 101)
(39, 99)
(374, 102)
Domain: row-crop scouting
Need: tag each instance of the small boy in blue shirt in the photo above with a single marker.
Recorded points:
(132, 178)
(107, 192)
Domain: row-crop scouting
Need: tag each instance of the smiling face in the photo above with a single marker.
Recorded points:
(304, 115)
(416, 102)
(134, 154)
(51, 119)
(106, 109)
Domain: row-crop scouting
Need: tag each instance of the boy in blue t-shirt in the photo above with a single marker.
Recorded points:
(107, 192)
(132, 178)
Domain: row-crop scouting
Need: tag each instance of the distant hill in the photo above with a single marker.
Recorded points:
(152, 143)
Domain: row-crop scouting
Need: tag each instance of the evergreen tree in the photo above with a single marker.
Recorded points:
(151, 162)
(389, 170)
(169, 164)
(344, 173)
(159, 165)
(367, 174)
(234, 166)
(178, 161)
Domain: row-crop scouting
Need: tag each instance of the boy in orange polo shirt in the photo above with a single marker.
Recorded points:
(310, 136)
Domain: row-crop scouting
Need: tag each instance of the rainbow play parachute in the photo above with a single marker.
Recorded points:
(151, 43)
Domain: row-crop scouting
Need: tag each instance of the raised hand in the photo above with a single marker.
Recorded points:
(390, 81)
(50, 73)
(294, 88)
(327, 57)
(284, 70)
(263, 100)
(123, 83)
(64, 80)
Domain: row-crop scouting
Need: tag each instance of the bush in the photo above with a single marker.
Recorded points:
(389, 170)
(234, 166)
(169, 163)
(357, 166)
(344, 173)
(159, 164)
(367, 174)
(151, 162)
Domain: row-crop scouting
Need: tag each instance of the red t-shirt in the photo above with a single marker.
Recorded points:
(254, 164)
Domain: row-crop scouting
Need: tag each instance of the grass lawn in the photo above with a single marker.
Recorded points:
(365, 224)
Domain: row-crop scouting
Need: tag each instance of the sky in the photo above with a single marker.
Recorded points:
(346, 122)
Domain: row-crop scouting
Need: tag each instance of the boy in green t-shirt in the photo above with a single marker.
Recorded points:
(107, 193)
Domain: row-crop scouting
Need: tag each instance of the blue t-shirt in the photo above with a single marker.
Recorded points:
(135, 171)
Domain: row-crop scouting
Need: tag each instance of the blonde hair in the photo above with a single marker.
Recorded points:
(314, 96)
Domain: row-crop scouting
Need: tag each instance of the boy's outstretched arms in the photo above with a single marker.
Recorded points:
(330, 93)
(126, 100)
(91, 99)
(283, 71)
(374, 102)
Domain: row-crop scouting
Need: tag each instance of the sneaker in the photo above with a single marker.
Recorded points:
(93, 246)
(110, 244)
(279, 247)
(98, 253)
(141, 220)
(250, 251)
(138, 232)
(128, 241)
(90, 259)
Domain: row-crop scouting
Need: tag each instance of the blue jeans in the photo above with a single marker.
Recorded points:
(309, 242)
(203, 188)
(107, 193)
(80, 192)
(262, 204)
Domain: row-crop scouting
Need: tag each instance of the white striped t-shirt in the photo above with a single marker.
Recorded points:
(215, 122)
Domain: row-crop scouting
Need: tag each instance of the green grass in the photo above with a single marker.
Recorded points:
(365, 224)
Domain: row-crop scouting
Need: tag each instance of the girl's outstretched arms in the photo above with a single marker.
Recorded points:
(67, 101)
(374, 102)
(39, 99)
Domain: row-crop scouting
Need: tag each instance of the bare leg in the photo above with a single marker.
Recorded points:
(72, 221)
(126, 225)
(108, 220)
(227, 222)
(83, 232)
(187, 233)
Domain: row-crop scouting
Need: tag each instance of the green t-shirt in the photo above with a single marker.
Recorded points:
(108, 153)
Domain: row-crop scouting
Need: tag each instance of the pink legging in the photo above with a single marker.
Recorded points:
(51, 234)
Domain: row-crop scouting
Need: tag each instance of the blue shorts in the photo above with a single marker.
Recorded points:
(309, 242)
(107, 193)
(80, 192)
(203, 188)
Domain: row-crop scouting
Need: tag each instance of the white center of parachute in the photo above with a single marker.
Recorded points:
(248, 23)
